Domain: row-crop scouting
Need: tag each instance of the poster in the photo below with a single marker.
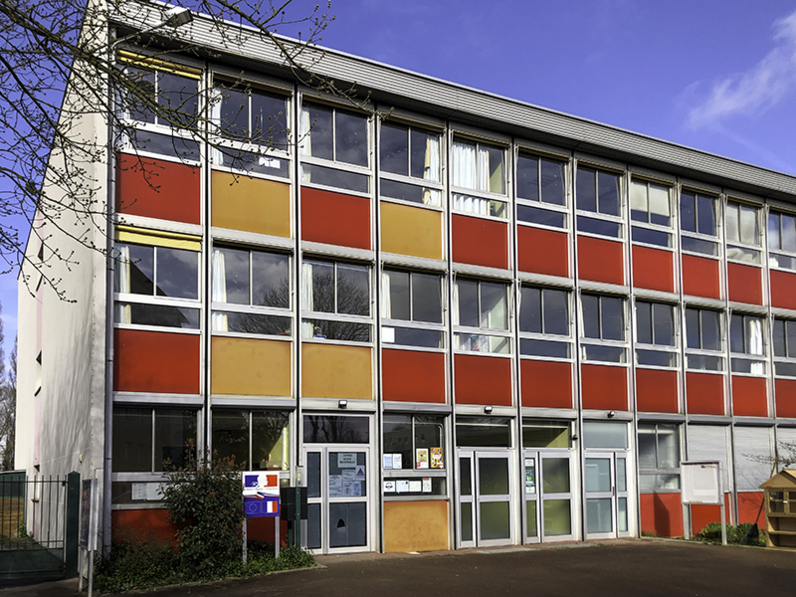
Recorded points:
(421, 458)
(415, 486)
(397, 461)
(436, 458)
(335, 485)
(346, 459)
(402, 486)
(530, 479)
(426, 484)
(389, 487)
(388, 461)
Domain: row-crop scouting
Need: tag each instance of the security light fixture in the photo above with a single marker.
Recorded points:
(342, 404)
(611, 414)
(174, 17)
(488, 410)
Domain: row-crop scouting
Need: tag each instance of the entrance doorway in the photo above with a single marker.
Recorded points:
(486, 515)
(605, 479)
(547, 479)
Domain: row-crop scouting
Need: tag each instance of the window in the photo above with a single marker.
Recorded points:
(703, 339)
(544, 312)
(743, 233)
(411, 305)
(480, 316)
(655, 334)
(409, 165)
(149, 440)
(540, 187)
(598, 197)
(414, 455)
(603, 328)
(698, 230)
(651, 213)
(546, 434)
(478, 167)
(746, 340)
(483, 432)
(782, 240)
(247, 114)
(784, 341)
(251, 292)
(658, 457)
(336, 301)
(331, 139)
(258, 438)
(161, 97)
(157, 285)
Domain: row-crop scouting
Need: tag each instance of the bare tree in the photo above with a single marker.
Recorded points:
(8, 413)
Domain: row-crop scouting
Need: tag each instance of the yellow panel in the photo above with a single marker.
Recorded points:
(250, 367)
(332, 371)
(407, 230)
(175, 240)
(149, 62)
(416, 526)
(250, 204)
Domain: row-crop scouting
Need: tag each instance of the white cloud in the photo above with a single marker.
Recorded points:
(755, 90)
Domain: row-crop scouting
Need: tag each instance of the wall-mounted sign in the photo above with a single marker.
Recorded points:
(260, 494)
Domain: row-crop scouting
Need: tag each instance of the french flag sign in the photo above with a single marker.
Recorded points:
(260, 494)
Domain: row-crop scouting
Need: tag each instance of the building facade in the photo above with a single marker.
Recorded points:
(458, 319)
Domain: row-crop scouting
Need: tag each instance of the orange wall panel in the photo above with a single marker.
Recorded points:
(335, 371)
(542, 251)
(155, 362)
(702, 514)
(144, 524)
(600, 260)
(744, 284)
(335, 218)
(480, 379)
(158, 189)
(546, 384)
(749, 510)
(783, 290)
(653, 269)
(250, 204)
(785, 396)
(412, 376)
(749, 397)
(662, 514)
(479, 241)
(407, 230)
(656, 391)
(250, 367)
(701, 277)
(603, 387)
(416, 526)
(704, 393)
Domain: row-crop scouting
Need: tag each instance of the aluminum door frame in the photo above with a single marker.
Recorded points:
(615, 493)
(538, 455)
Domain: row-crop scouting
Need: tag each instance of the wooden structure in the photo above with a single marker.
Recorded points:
(781, 509)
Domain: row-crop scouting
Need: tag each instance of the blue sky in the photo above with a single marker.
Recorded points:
(719, 76)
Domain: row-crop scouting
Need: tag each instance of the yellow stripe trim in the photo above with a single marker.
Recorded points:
(174, 240)
(154, 63)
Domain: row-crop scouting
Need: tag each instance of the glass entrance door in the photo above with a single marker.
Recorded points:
(548, 496)
(606, 495)
(337, 498)
(485, 506)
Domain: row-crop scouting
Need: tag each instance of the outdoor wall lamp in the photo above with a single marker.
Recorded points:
(342, 404)
(173, 17)
(611, 414)
(488, 410)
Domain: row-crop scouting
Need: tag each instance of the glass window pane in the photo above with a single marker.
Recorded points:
(318, 123)
(179, 96)
(332, 177)
(530, 518)
(544, 348)
(779, 338)
(492, 432)
(145, 81)
(530, 309)
(468, 303)
(697, 245)
(323, 287)
(732, 222)
(544, 217)
(788, 233)
(465, 476)
(791, 338)
(749, 229)
(177, 273)
(494, 520)
(664, 324)
(413, 337)
(647, 454)
(269, 119)
(425, 155)
(599, 518)
(604, 435)
(348, 522)
(660, 207)
(538, 434)
(335, 430)
(692, 328)
(736, 333)
(639, 208)
(467, 521)
(602, 227)
(231, 435)
(774, 242)
(270, 280)
(585, 189)
(557, 517)
(398, 438)
(553, 182)
(711, 330)
(132, 440)
(528, 178)
(351, 139)
(493, 306)
(497, 182)
(394, 149)
(427, 298)
(136, 269)
(597, 476)
(668, 447)
(555, 475)
(270, 441)
(687, 213)
(493, 476)
(231, 276)
(556, 317)
(643, 322)
(251, 323)
(621, 474)
(313, 474)
(161, 315)
(706, 211)
(613, 320)
(175, 431)
(429, 434)
(608, 191)
(234, 112)
(621, 514)
(397, 301)
(590, 305)
(353, 289)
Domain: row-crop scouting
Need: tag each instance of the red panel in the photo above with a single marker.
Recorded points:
(542, 251)
(749, 396)
(749, 509)
(158, 189)
(335, 218)
(603, 387)
(480, 379)
(783, 290)
(262, 529)
(704, 394)
(600, 260)
(653, 269)
(142, 524)
(701, 277)
(478, 241)
(656, 391)
(546, 384)
(744, 283)
(702, 514)
(411, 376)
(156, 362)
(785, 395)
(662, 514)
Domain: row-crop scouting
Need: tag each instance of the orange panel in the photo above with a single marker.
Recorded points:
(653, 269)
(480, 379)
(542, 251)
(702, 514)
(603, 387)
(416, 526)
(478, 241)
(749, 396)
(785, 395)
(250, 204)
(744, 283)
(546, 384)
(250, 367)
(158, 189)
(142, 524)
(783, 290)
(335, 218)
(412, 376)
(662, 514)
(336, 371)
(656, 391)
(704, 393)
(600, 260)
(749, 509)
(155, 362)
(409, 230)
(701, 277)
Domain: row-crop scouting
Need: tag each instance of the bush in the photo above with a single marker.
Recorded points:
(712, 532)
(136, 563)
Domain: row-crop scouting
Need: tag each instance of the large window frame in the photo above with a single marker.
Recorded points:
(545, 322)
(783, 341)
(420, 468)
(599, 204)
(659, 457)
(490, 331)
(604, 327)
(408, 317)
(705, 336)
(657, 337)
(781, 240)
(265, 430)
(744, 236)
(477, 187)
(699, 224)
(651, 214)
(127, 421)
(747, 344)
(405, 176)
(541, 191)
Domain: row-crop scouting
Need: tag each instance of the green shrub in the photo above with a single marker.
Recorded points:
(712, 532)
(136, 563)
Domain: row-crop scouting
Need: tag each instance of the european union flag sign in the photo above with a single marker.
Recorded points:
(257, 508)
(260, 494)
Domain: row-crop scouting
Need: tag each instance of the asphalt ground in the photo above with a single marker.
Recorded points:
(642, 567)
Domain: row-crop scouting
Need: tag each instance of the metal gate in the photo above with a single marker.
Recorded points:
(38, 527)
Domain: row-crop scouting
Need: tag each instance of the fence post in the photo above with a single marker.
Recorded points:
(72, 524)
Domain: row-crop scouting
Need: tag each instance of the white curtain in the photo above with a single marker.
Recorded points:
(455, 303)
(470, 171)
(659, 202)
(483, 169)
(431, 171)
(756, 344)
(219, 290)
(386, 301)
(464, 168)
(125, 315)
(307, 299)
(305, 142)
